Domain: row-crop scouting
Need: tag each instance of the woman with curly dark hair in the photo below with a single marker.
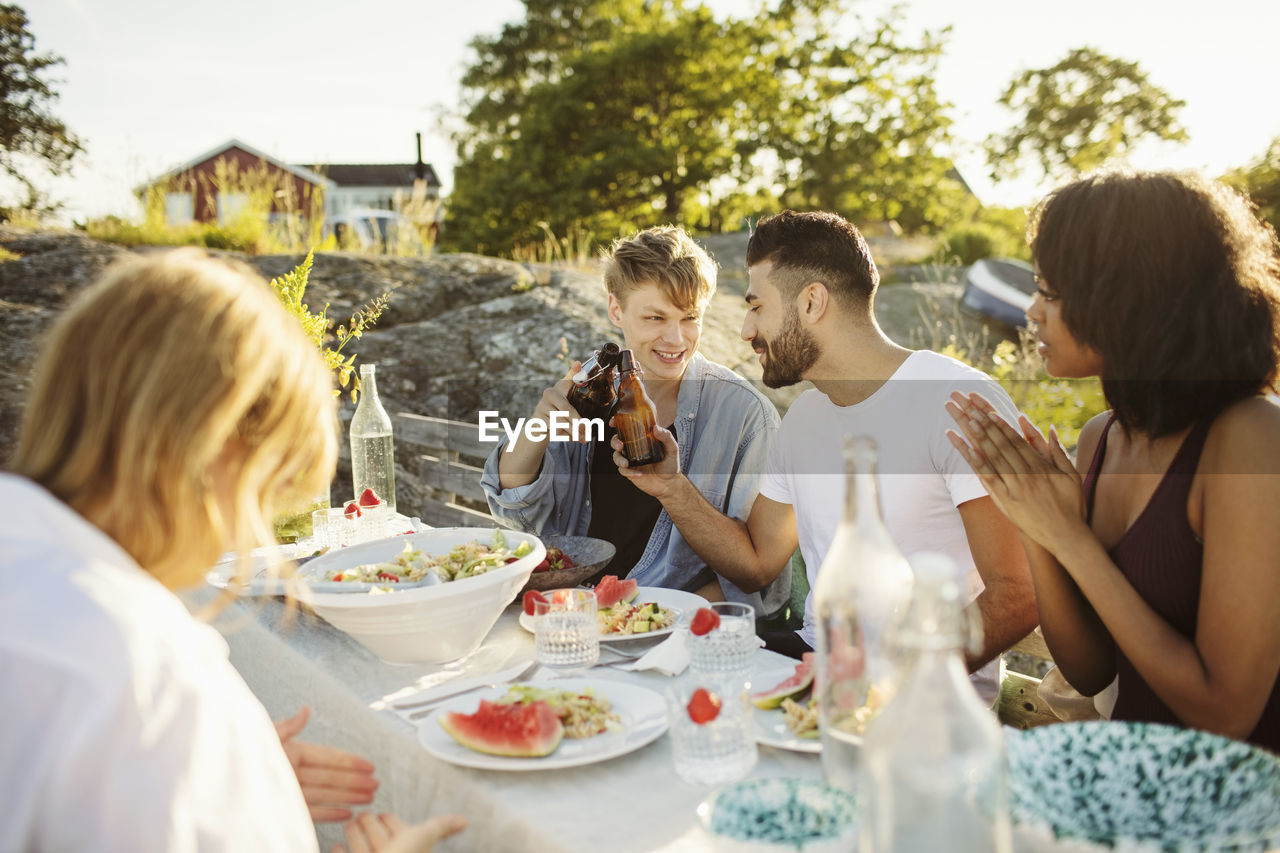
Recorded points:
(1156, 557)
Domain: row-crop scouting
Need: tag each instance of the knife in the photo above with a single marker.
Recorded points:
(432, 695)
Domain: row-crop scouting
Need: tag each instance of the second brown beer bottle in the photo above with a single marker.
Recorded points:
(635, 416)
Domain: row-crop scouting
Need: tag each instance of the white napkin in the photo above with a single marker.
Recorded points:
(670, 657)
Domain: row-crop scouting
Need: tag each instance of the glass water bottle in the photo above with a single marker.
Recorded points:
(862, 587)
(373, 461)
(933, 774)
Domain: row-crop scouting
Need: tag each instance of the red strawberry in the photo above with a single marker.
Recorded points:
(369, 498)
(530, 597)
(704, 706)
(542, 567)
(352, 510)
(704, 621)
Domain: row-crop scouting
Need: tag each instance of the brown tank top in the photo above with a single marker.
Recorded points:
(1161, 557)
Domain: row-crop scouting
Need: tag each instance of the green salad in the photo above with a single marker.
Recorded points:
(412, 564)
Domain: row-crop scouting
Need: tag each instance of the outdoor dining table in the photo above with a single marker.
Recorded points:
(633, 802)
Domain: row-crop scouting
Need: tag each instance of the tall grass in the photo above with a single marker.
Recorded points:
(423, 212)
(575, 249)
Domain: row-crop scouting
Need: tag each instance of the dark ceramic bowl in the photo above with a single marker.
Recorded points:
(589, 556)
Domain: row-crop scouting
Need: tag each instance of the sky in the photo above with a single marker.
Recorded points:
(151, 84)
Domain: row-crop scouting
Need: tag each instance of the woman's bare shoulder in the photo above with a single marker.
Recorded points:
(1245, 438)
(1255, 420)
(1090, 434)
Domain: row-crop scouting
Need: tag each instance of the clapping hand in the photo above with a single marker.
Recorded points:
(1031, 478)
(331, 779)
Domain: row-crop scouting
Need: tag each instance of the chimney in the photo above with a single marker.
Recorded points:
(420, 168)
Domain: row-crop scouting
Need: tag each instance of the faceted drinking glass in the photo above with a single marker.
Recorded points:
(718, 750)
(728, 649)
(565, 630)
(374, 522)
(332, 529)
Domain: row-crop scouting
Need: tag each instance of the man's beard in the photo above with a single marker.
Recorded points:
(792, 353)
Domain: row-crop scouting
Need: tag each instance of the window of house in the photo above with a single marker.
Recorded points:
(179, 208)
(229, 204)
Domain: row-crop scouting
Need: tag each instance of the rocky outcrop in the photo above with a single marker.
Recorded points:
(461, 333)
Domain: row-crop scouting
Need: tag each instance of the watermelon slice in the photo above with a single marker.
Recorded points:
(610, 591)
(508, 728)
(800, 681)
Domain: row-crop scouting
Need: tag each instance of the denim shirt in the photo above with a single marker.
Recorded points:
(724, 427)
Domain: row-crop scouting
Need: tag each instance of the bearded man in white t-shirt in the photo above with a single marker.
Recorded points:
(810, 316)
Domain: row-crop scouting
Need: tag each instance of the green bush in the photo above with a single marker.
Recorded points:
(991, 232)
(966, 244)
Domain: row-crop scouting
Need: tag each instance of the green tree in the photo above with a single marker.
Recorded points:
(608, 115)
(1078, 114)
(30, 136)
(1261, 180)
(866, 127)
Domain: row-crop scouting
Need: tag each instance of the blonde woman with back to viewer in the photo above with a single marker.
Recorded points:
(174, 404)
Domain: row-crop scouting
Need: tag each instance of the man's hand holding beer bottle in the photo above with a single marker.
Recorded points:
(520, 466)
(586, 391)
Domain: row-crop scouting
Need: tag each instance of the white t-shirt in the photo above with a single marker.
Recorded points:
(125, 726)
(922, 478)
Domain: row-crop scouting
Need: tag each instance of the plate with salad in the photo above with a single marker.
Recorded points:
(653, 612)
(274, 569)
(791, 723)
(569, 721)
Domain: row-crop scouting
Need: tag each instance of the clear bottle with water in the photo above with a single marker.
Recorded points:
(863, 586)
(933, 774)
(373, 461)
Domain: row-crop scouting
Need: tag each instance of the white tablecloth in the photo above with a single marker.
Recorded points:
(631, 803)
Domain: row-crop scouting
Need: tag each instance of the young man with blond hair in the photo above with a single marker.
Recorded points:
(658, 285)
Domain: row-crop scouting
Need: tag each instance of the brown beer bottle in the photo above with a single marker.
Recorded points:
(635, 417)
(593, 394)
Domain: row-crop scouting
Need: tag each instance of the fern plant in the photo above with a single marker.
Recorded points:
(291, 287)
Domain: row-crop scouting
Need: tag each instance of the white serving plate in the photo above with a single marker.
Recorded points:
(678, 600)
(770, 728)
(642, 712)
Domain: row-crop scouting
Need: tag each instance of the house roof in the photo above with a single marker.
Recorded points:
(302, 172)
(374, 174)
(954, 174)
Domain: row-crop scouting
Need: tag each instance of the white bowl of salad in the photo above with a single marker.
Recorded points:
(429, 597)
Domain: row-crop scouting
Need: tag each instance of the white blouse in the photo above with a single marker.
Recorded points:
(125, 726)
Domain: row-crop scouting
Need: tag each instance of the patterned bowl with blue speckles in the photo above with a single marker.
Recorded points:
(780, 816)
(1142, 786)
